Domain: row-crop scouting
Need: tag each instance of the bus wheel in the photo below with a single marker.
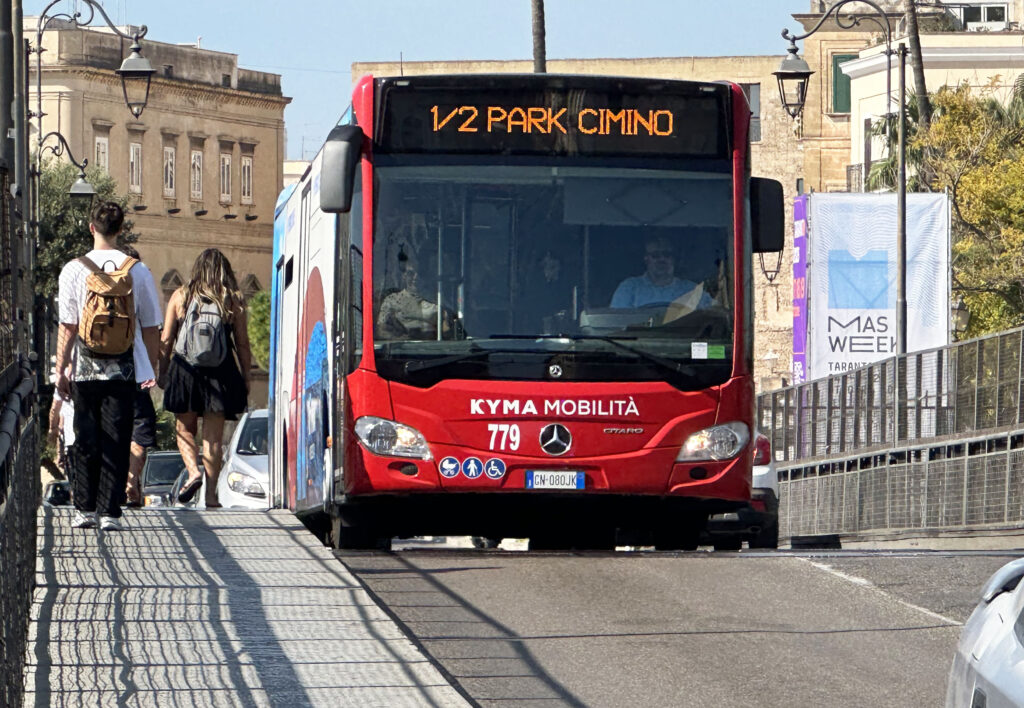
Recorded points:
(357, 537)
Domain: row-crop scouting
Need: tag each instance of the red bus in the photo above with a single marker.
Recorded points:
(520, 306)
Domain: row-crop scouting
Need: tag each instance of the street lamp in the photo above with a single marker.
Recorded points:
(135, 71)
(960, 315)
(81, 190)
(792, 76)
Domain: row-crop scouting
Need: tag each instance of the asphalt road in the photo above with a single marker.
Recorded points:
(684, 629)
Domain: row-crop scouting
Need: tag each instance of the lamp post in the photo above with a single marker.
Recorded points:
(792, 76)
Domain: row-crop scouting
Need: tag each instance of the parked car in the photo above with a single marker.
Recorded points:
(244, 478)
(158, 476)
(758, 522)
(988, 667)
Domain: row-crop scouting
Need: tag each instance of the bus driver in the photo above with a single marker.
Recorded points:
(658, 284)
(404, 314)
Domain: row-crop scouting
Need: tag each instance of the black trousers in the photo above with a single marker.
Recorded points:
(104, 413)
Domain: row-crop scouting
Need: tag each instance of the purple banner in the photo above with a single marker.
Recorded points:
(800, 289)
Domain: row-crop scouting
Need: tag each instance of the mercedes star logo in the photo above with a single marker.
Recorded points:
(555, 439)
(555, 371)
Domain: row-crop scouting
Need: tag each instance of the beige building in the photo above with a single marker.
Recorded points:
(202, 165)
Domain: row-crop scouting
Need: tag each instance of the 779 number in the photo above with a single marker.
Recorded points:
(504, 436)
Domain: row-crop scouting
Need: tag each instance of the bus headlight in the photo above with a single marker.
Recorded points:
(719, 442)
(391, 439)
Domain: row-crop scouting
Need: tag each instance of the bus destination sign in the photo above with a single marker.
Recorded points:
(554, 121)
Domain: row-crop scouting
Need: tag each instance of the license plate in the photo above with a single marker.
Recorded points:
(554, 479)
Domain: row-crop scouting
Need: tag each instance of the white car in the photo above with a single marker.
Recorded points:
(988, 667)
(244, 477)
(758, 522)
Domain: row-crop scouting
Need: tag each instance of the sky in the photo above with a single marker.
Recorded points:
(313, 43)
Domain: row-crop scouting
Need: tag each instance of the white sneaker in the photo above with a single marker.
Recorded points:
(83, 520)
(109, 523)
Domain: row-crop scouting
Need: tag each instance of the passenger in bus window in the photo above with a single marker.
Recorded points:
(403, 313)
(658, 284)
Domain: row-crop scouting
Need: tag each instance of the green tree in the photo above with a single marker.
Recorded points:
(259, 327)
(64, 224)
(974, 148)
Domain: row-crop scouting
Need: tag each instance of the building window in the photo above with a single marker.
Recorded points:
(135, 168)
(985, 17)
(169, 172)
(225, 177)
(840, 84)
(753, 94)
(196, 174)
(102, 152)
(246, 177)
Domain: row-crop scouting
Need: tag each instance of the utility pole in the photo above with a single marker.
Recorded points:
(540, 62)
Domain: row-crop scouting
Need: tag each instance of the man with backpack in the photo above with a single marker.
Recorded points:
(109, 317)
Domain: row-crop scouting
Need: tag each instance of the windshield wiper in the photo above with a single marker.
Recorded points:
(664, 362)
(424, 364)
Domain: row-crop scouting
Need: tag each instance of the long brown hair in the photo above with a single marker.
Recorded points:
(212, 279)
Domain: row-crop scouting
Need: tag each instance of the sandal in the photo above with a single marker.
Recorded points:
(189, 489)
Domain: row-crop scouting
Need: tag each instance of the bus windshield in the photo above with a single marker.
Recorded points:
(529, 272)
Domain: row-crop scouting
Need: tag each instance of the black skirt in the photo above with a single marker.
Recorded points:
(215, 389)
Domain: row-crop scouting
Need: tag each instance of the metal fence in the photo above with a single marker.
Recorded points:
(929, 440)
(19, 450)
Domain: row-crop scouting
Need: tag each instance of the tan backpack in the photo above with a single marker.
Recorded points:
(107, 323)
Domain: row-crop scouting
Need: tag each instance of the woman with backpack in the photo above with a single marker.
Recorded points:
(204, 366)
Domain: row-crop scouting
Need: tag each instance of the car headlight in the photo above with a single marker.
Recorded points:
(244, 484)
(719, 442)
(391, 439)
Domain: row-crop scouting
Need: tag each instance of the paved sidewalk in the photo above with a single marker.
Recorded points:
(211, 608)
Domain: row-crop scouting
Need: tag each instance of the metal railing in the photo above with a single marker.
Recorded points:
(928, 440)
(19, 453)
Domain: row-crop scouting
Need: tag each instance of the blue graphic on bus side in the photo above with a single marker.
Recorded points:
(449, 467)
(472, 467)
(495, 468)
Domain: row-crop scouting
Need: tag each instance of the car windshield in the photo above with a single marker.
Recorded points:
(163, 469)
(253, 438)
(502, 271)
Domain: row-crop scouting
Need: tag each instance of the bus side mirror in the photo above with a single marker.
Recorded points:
(767, 215)
(338, 168)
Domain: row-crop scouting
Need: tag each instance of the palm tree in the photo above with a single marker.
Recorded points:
(539, 52)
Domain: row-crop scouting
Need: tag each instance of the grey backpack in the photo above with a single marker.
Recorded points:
(202, 339)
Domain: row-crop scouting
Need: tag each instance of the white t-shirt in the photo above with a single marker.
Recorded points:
(71, 295)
